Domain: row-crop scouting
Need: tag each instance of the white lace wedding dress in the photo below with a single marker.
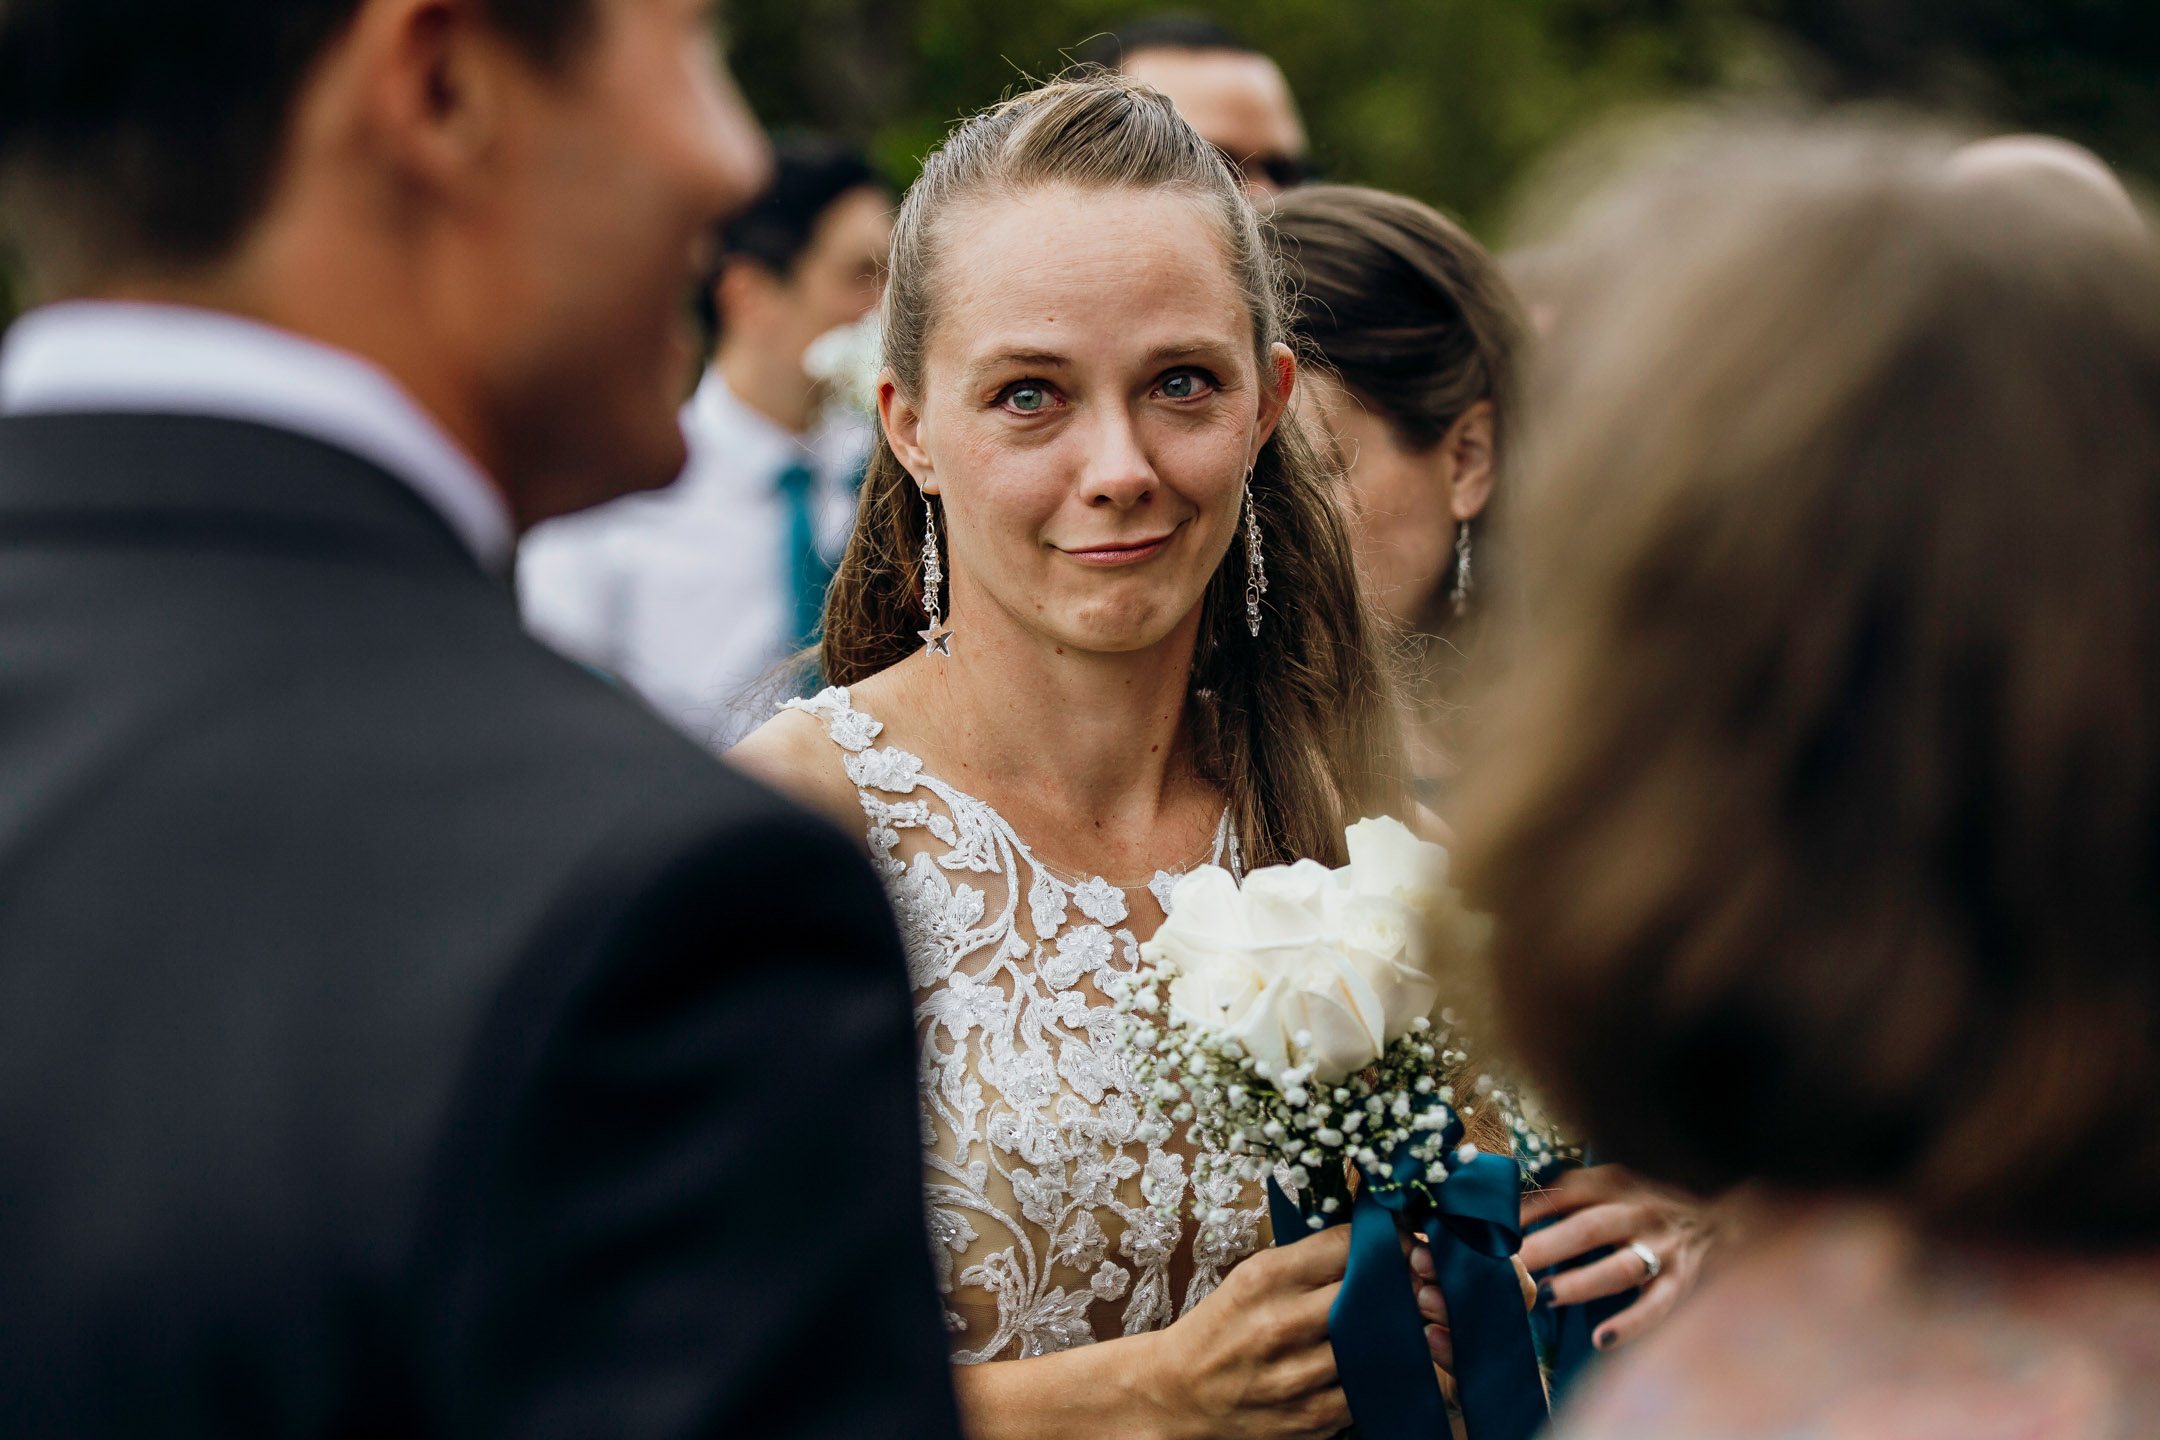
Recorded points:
(1039, 1196)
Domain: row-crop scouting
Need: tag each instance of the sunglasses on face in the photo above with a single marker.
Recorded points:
(1282, 172)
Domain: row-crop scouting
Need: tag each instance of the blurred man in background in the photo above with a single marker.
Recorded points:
(693, 594)
(1229, 91)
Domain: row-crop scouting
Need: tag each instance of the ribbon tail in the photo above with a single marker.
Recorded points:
(1497, 1381)
(1288, 1221)
(1381, 1357)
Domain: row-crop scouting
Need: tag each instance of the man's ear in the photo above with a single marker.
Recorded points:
(903, 431)
(1468, 446)
(431, 86)
(743, 292)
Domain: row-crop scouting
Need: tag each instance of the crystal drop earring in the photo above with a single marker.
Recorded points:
(1255, 564)
(1459, 595)
(937, 640)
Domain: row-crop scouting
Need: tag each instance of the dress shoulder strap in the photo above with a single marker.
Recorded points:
(868, 765)
(849, 728)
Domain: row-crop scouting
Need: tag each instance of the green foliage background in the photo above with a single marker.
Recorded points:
(1456, 101)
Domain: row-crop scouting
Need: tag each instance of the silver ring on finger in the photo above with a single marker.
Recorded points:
(1652, 1266)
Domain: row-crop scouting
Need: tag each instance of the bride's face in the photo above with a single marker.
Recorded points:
(1091, 400)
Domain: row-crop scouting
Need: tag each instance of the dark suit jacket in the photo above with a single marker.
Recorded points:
(402, 1032)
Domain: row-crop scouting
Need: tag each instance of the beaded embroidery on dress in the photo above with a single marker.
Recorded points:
(1039, 1196)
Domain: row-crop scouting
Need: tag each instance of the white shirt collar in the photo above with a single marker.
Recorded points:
(105, 355)
(756, 447)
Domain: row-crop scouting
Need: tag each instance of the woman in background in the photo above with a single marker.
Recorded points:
(1819, 812)
(1416, 336)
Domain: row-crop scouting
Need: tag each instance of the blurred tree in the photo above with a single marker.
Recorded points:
(2088, 69)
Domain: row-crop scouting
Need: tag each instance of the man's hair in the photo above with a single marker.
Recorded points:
(809, 175)
(149, 132)
(1818, 809)
(1160, 32)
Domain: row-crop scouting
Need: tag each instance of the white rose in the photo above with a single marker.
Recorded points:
(1205, 942)
(1383, 939)
(1387, 859)
(1304, 965)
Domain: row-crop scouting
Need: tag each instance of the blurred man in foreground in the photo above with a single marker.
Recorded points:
(1225, 87)
(692, 594)
(405, 1033)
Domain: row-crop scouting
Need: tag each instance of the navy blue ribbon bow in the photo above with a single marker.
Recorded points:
(1472, 1221)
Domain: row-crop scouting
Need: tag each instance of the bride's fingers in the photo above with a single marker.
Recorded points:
(1441, 1342)
(1318, 1259)
(1312, 1368)
(1324, 1413)
(1306, 1317)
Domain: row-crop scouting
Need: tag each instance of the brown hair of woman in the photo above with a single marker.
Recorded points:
(1820, 812)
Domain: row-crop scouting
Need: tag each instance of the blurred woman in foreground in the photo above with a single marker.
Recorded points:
(1820, 813)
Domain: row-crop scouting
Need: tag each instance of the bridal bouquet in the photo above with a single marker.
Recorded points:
(1296, 1027)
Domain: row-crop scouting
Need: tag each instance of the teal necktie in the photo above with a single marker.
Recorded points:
(808, 571)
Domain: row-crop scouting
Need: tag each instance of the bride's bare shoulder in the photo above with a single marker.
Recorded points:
(792, 753)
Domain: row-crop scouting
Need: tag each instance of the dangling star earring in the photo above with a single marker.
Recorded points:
(937, 640)
(1255, 565)
(1459, 596)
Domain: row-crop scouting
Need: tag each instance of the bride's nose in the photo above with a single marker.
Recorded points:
(1119, 473)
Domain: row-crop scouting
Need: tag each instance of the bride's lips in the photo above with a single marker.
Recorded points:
(1120, 552)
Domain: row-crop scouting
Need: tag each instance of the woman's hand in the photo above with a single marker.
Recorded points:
(1432, 1308)
(1253, 1360)
(1612, 1205)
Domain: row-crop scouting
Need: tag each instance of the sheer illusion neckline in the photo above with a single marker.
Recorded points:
(1045, 1203)
(854, 729)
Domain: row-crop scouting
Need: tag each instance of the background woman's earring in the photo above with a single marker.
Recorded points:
(1459, 596)
(1255, 565)
(937, 640)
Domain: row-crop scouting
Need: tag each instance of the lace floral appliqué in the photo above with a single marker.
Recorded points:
(1038, 1193)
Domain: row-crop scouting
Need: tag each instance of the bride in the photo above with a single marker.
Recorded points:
(1145, 651)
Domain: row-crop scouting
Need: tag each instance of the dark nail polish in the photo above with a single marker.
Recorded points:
(1544, 1292)
(1603, 1339)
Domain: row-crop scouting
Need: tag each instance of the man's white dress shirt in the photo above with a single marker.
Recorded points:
(686, 593)
(99, 356)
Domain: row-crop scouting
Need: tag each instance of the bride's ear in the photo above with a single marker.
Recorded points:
(1278, 384)
(903, 431)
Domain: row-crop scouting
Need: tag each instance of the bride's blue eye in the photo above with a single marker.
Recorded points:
(1028, 399)
(1185, 385)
